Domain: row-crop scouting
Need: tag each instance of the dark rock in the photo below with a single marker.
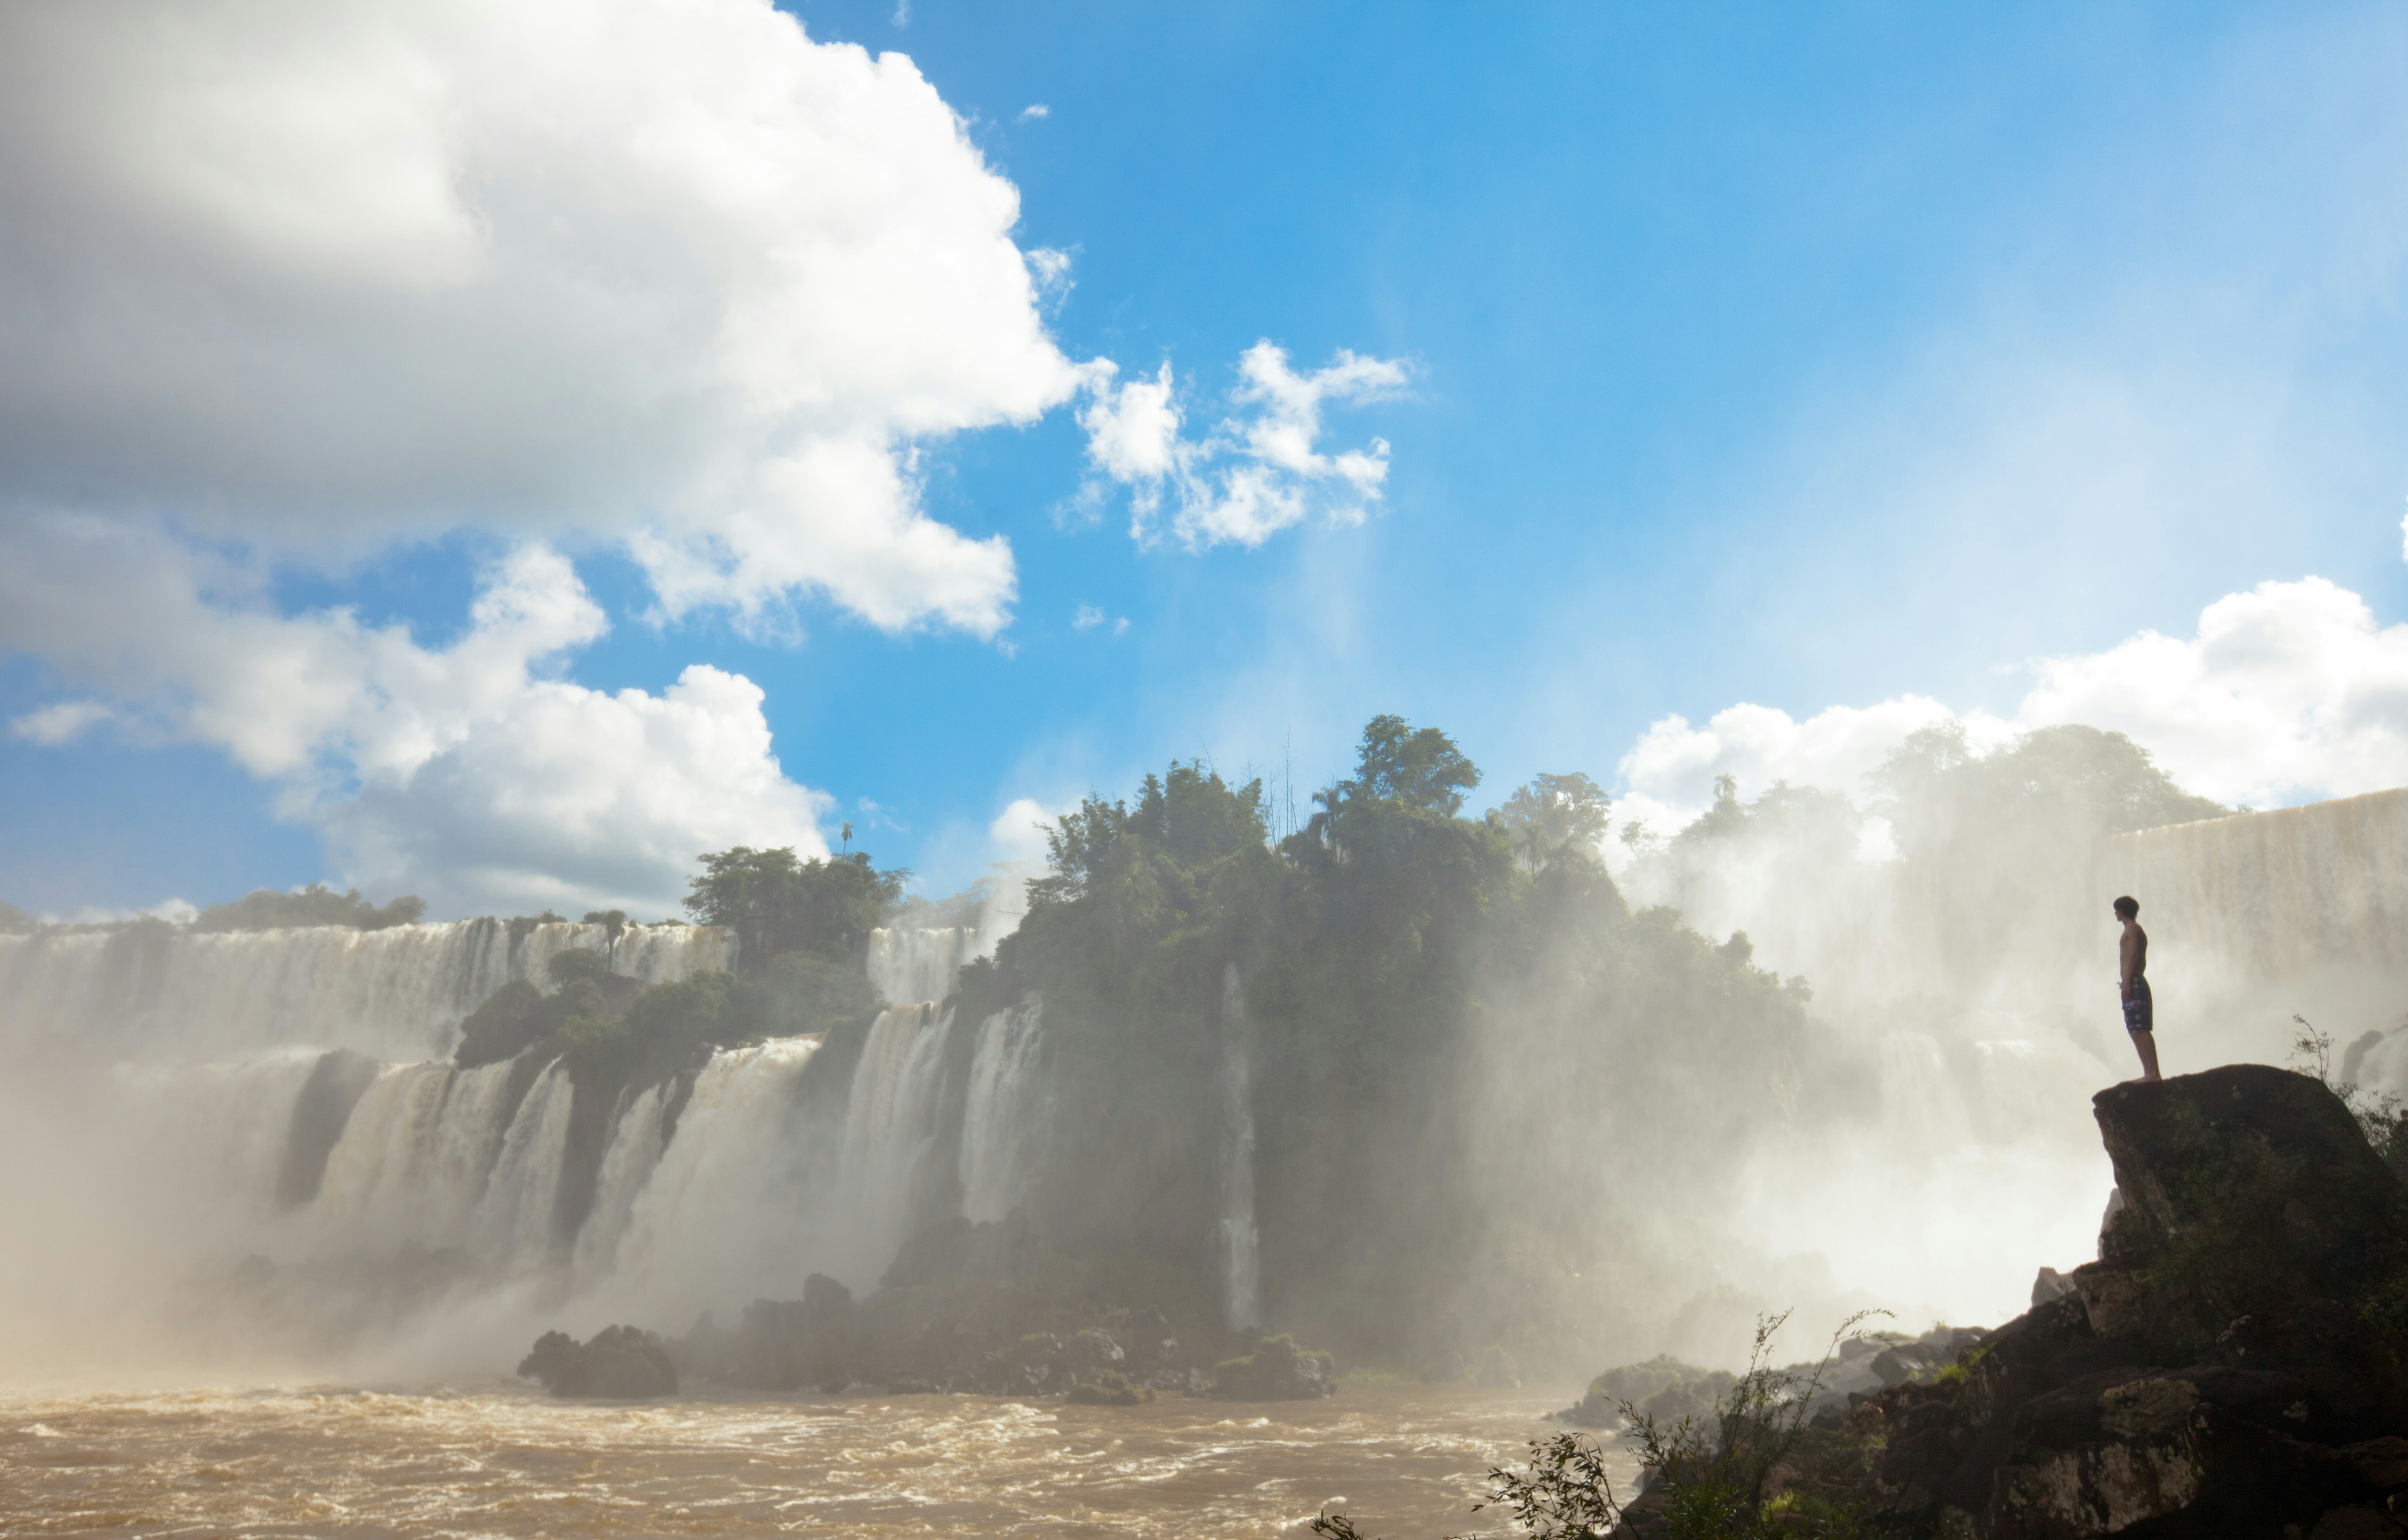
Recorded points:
(2257, 1179)
(2130, 1403)
(618, 1364)
(554, 1352)
(1276, 1370)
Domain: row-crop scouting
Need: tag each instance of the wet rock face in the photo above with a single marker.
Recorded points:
(618, 1363)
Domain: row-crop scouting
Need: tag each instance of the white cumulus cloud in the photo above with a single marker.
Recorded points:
(662, 271)
(2289, 692)
(1259, 470)
(471, 774)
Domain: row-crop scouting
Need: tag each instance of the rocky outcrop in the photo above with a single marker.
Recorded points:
(1276, 1370)
(618, 1363)
(1667, 1390)
(973, 1309)
(2232, 1365)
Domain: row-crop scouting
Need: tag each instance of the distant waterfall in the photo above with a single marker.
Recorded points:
(912, 963)
(734, 1180)
(1240, 1242)
(1002, 1114)
(398, 993)
(2271, 896)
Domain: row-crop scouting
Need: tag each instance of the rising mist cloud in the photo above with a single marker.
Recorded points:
(2289, 692)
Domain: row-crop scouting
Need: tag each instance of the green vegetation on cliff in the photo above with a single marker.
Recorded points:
(266, 909)
(777, 903)
(1413, 991)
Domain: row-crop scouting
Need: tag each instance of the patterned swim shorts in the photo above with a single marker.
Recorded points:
(2140, 1011)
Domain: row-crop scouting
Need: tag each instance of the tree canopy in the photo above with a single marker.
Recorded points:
(266, 909)
(777, 903)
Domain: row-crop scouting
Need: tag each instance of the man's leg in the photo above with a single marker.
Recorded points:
(2147, 1044)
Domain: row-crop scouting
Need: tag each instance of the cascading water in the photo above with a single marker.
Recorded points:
(412, 1162)
(398, 993)
(725, 1211)
(912, 963)
(1002, 1112)
(628, 1160)
(1240, 1242)
(512, 1228)
(734, 1181)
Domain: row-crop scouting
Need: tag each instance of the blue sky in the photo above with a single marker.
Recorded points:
(1797, 357)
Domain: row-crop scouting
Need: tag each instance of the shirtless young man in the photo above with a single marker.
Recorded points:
(2140, 1012)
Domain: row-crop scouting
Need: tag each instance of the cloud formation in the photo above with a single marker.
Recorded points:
(661, 271)
(1258, 470)
(2289, 692)
(471, 775)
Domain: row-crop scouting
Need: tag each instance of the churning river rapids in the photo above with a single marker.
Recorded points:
(503, 1461)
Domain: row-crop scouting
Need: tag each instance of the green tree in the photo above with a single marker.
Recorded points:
(777, 903)
(266, 909)
(1555, 813)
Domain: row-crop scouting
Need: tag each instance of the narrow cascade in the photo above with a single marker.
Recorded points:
(722, 1213)
(890, 1123)
(1003, 1112)
(1240, 1243)
(627, 1164)
(395, 994)
(412, 1159)
(511, 1227)
(913, 964)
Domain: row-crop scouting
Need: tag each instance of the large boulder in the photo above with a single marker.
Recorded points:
(618, 1364)
(2246, 1188)
(1276, 1370)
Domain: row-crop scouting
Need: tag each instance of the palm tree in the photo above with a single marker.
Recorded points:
(1333, 800)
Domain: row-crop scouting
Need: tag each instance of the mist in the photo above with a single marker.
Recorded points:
(1421, 1083)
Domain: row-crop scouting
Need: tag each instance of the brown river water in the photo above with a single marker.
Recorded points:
(504, 1461)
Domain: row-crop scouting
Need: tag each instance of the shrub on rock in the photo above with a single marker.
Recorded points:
(1109, 1388)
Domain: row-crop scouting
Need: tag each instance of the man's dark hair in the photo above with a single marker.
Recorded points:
(2128, 908)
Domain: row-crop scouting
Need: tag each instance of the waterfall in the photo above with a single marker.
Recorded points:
(890, 1124)
(202, 1146)
(411, 1163)
(912, 963)
(2271, 896)
(1002, 1112)
(628, 1159)
(725, 1213)
(511, 1229)
(1240, 1243)
(398, 993)
(288, 1094)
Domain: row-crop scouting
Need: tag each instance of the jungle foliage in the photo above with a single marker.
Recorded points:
(268, 909)
(777, 903)
(1353, 971)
